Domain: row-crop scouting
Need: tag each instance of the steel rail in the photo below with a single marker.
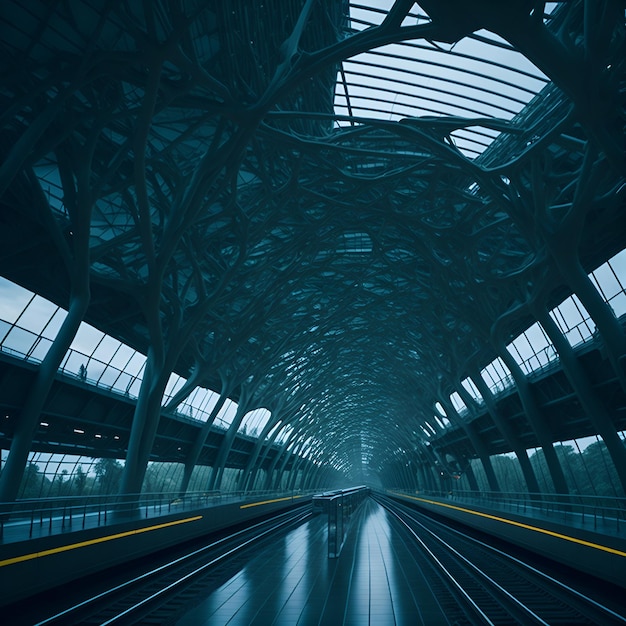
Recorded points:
(398, 511)
(291, 517)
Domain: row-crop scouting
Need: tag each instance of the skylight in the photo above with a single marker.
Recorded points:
(481, 76)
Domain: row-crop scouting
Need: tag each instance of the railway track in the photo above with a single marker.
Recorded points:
(157, 595)
(477, 583)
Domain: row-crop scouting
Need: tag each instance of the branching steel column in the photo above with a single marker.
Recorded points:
(591, 403)
(227, 443)
(79, 198)
(196, 448)
(505, 428)
(537, 421)
(475, 440)
(260, 444)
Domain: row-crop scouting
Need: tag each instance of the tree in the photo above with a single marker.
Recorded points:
(79, 482)
(108, 473)
(61, 487)
(602, 471)
(32, 482)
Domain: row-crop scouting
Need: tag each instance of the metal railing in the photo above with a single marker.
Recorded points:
(603, 513)
(80, 366)
(28, 519)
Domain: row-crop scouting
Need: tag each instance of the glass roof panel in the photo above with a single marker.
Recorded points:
(479, 76)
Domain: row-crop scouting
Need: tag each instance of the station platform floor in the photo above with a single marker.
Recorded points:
(292, 581)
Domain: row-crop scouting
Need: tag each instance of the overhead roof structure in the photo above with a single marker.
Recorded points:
(335, 210)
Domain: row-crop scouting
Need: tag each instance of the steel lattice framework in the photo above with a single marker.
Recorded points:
(335, 211)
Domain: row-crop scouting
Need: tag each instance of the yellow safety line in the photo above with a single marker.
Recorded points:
(82, 544)
(521, 525)
(247, 506)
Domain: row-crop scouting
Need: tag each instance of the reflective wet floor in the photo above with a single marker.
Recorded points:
(291, 581)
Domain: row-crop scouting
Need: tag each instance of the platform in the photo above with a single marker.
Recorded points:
(292, 581)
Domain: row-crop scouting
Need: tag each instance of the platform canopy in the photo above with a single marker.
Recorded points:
(334, 210)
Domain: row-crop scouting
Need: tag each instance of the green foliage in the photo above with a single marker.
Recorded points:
(108, 473)
(588, 473)
(79, 482)
(33, 482)
(61, 486)
(162, 478)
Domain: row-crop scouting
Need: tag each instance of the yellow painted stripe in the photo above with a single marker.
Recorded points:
(247, 506)
(589, 544)
(82, 544)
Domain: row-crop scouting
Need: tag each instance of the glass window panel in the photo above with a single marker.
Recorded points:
(121, 356)
(615, 280)
(13, 299)
(531, 349)
(188, 409)
(198, 398)
(523, 349)
(457, 402)
(475, 70)
(122, 383)
(39, 352)
(54, 324)
(86, 340)
(488, 375)
(133, 388)
(537, 338)
(501, 368)
(196, 404)
(618, 266)
(135, 365)
(570, 314)
(105, 349)
(557, 315)
(95, 370)
(4, 329)
(20, 340)
(174, 383)
(605, 281)
(73, 362)
(227, 413)
(573, 320)
(470, 387)
(546, 355)
(438, 421)
(208, 401)
(496, 375)
(255, 421)
(618, 304)
(37, 314)
(109, 377)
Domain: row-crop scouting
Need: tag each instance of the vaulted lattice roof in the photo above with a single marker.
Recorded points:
(344, 202)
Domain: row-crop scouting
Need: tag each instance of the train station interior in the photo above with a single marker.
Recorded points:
(301, 270)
